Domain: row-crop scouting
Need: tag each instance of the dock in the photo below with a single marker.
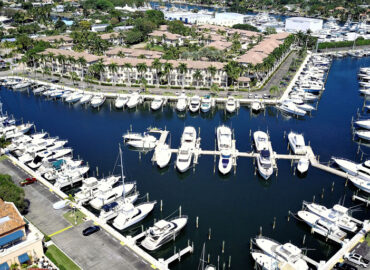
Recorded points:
(361, 199)
(310, 261)
(177, 256)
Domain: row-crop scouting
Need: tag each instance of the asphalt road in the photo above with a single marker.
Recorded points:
(97, 251)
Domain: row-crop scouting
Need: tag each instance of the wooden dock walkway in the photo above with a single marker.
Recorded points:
(177, 256)
(310, 261)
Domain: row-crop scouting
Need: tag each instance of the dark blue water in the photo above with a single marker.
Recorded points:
(234, 207)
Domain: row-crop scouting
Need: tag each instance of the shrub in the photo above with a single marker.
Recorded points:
(135, 85)
(120, 84)
(150, 86)
(204, 88)
(106, 84)
(190, 88)
(175, 87)
(10, 192)
(163, 86)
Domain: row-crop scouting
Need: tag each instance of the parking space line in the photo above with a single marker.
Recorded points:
(60, 231)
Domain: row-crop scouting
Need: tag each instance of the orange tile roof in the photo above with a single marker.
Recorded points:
(89, 57)
(134, 52)
(108, 36)
(55, 38)
(220, 45)
(15, 222)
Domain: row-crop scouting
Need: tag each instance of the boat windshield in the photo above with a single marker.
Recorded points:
(265, 153)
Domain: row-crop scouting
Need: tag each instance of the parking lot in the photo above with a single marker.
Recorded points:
(97, 251)
(362, 249)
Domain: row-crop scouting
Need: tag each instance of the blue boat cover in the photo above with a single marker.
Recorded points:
(265, 153)
(23, 258)
(57, 164)
(10, 238)
(109, 206)
(4, 266)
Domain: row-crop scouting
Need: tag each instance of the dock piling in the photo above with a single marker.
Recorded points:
(161, 205)
(223, 247)
(209, 233)
(229, 261)
(260, 230)
(288, 215)
(147, 197)
(304, 239)
(313, 199)
(97, 171)
(197, 222)
(274, 224)
(180, 211)
(332, 187)
(322, 193)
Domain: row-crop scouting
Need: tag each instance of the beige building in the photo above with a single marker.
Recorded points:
(20, 243)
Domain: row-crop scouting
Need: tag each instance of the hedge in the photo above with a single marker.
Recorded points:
(340, 44)
(175, 87)
(120, 84)
(106, 84)
(135, 85)
(163, 86)
(204, 88)
(190, 88)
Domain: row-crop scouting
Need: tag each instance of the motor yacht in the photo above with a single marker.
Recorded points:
(359, 170)
(303, 165)
(162, 232)
(264, 164)
(131, 214)
(361, 184)
(134, 100)
(231, 104)
(111, 210)
(75, 97)
(363, 134)
(56, 94)
(189, 137)
(283, 253)
(48, 155)
(182, 103)
(301, 105)
(39, 90)
(337, 215)
(162, 155)
(156, 103)
(97, 101)
(297, 144)
(321, 226)
(264, 260)
(183, 159)
(120, 102)
(21, 86)
(66, 94)
(69, 177)
(363, 123)
(86, 98)
(206, 104)
(256, 106)
(194, 105)
(290, 107)
(261, 140)
(141, 141)
(106, 194)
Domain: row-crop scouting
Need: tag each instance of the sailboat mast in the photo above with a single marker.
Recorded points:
(122, 176)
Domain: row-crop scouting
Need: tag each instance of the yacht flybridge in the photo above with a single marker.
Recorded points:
(264, 164)
(194, 105)
(156, 103)
(163, 155)
(120, 102)
(162, 232)
(359, 170)
(182, 103)
(261, 140)
(142, 141)
(296, 142)
(224, 143)
(282, 253)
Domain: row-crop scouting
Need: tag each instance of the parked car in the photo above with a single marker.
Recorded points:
(357, 259)
(28, 181)
(55, 81)
(344, 266)
(90, 230)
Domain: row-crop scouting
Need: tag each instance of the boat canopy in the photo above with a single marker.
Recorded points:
(109, 206)
(265, 153)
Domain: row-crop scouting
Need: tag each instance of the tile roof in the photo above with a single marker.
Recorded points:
(108, 36)
(8, 209)
(55, 38)
(89, 57)
(134, 52)
(168, 35)
(220, 45)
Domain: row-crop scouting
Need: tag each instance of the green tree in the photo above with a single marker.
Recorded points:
(212, 71)
(183, 68)
(197, 76)
(157, 66)
(11, 192)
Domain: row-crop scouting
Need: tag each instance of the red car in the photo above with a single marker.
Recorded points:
(28, 181)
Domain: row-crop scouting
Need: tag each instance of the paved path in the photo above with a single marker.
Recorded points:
(97, 251)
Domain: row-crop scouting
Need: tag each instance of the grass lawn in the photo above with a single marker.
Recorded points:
(60, 259)
(3, 157)
(72, 218)
(368, 239)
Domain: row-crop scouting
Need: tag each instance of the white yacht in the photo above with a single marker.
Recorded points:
(48, 155)
(264, 260)
(321, 225)
(183, 159)
(290, 107)
(189, 137)
(256, 106)
(224, 143)
(231, 104)
(301, 105)
(363, 123)
(68, 177)
(338, 215)
(286, 253)
(162, 232)
(206, 104)
(261, 140)
(162, 155)
(264, 164)
(97, 101)
(21, 86)
(106, 194)
(296, 142)
(131, 214)
(141, 141)
(157, 103)
(39, 90)
(363, 134)
(86, 98)
(182, 103)
(134, 100)
(360, 170)
(194, 104)
(361, 184)
(120, 102)
(75, 97)
(66, 94)
(111, 210)
(303, 165)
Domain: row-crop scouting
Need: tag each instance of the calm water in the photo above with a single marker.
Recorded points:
(234, 207)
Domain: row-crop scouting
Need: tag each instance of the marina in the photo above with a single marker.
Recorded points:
(242, 189)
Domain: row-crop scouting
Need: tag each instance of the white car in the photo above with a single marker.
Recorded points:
(357, 259)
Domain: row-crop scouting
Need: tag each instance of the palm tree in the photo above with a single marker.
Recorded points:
(121, 54)
(212, 70)
(183, 68)
(157, 65)
(61, 60)
(168, 67)
(233, 71)
(141, 68)
(197, 76)
(113, 68)
(72, 61)
(128, 67)
(43, 59)
(97, 69)
(82, 62)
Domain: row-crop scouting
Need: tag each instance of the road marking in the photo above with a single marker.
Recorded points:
(122, 243)
(153, 266)
(341, 260)
(362, 239)
(60, 231)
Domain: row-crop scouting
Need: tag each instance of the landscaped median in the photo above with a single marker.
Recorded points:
(60, 259)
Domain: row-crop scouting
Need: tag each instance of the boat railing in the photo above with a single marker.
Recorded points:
(333, 157)
(267, 238)
(155, 202)
(176, 217)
